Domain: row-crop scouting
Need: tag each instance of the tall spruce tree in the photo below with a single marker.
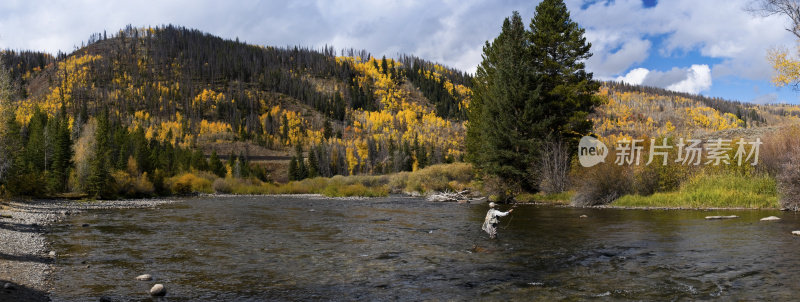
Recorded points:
(302, 172)
(62, 153)
(293, 169)
(559, 50)
(215, 164)
(313, 163)
(530, 87)
(99, 180)
(10, 132)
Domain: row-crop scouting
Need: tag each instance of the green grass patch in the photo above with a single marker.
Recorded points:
(712, 191)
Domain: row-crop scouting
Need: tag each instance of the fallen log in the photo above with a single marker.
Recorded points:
(446, 196)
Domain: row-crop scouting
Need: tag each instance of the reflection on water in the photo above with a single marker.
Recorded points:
(307, 248)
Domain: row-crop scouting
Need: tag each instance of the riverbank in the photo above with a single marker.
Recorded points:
(720, 191)
(26, 256)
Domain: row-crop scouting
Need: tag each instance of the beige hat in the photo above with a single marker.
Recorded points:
(492, 204)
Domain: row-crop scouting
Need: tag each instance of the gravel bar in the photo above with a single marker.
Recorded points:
(25, 258)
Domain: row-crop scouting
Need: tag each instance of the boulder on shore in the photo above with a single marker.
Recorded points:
(145, 277)
(158, 290)
(722, 217)
(770, 218)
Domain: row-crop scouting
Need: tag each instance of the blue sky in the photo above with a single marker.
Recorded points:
(711, 47)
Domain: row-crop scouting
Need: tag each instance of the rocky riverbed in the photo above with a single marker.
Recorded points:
(25, 257)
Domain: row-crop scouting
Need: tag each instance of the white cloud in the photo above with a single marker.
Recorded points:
(694, 79)
(718, 29)
(698, 78)
(634, 77)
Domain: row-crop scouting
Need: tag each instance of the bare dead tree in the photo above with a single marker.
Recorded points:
(553, 170)
(789, 181)
(789, 8)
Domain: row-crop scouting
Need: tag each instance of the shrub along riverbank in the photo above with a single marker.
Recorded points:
(444, 177)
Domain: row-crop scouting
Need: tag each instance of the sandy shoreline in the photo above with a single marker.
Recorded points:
(26, 260)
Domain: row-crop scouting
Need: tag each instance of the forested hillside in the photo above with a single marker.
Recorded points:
(177, 90)
(142, 106)
(639, 111)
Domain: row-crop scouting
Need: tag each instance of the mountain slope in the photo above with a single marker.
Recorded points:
(192, 89)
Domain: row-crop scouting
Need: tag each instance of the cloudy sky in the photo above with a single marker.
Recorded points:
(711, 47)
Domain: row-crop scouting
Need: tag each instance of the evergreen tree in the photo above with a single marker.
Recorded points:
(244, 165)
(62, 153)
(215, 165)
(285, 129)
(327, 131)
(293, 169)
(302, 172)
(99, 180)
(12, 163)
(559, 50)
(141, 150)
(313, 164)
(384, 66)
(199, 160)
(531, 86)
(36, 143)
(10, 132)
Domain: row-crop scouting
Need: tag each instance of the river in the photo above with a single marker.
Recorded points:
(402, 248)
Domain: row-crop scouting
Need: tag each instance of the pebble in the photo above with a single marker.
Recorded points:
(770, 218)
(52, 253)
(722, 217)
(145, 277)
(158, 290)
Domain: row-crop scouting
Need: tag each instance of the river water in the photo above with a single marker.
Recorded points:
(402, 248)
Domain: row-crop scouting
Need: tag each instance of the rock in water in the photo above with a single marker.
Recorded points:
(584, 216)
(770, 218)
(52, 253)
(145, 277)
(8, 285)
(158, 290)
(722, 217)
(796, 233)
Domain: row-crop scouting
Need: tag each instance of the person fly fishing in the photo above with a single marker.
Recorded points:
(490, 223)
